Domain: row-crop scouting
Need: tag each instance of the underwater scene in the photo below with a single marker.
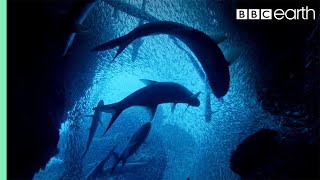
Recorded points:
(170, 89)
(184, 142)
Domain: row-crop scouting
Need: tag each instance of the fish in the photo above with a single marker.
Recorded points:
(206, 50)
(130, 167)
(151, 96)
(142, 15)
(136, 140)
(76, 17)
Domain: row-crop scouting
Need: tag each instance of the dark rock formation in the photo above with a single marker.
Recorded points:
(35, 90)
(255, 153)
(267, 155)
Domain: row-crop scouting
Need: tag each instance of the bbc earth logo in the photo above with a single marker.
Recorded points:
(279, 14)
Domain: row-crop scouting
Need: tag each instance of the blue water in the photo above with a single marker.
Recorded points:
(181, 144)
